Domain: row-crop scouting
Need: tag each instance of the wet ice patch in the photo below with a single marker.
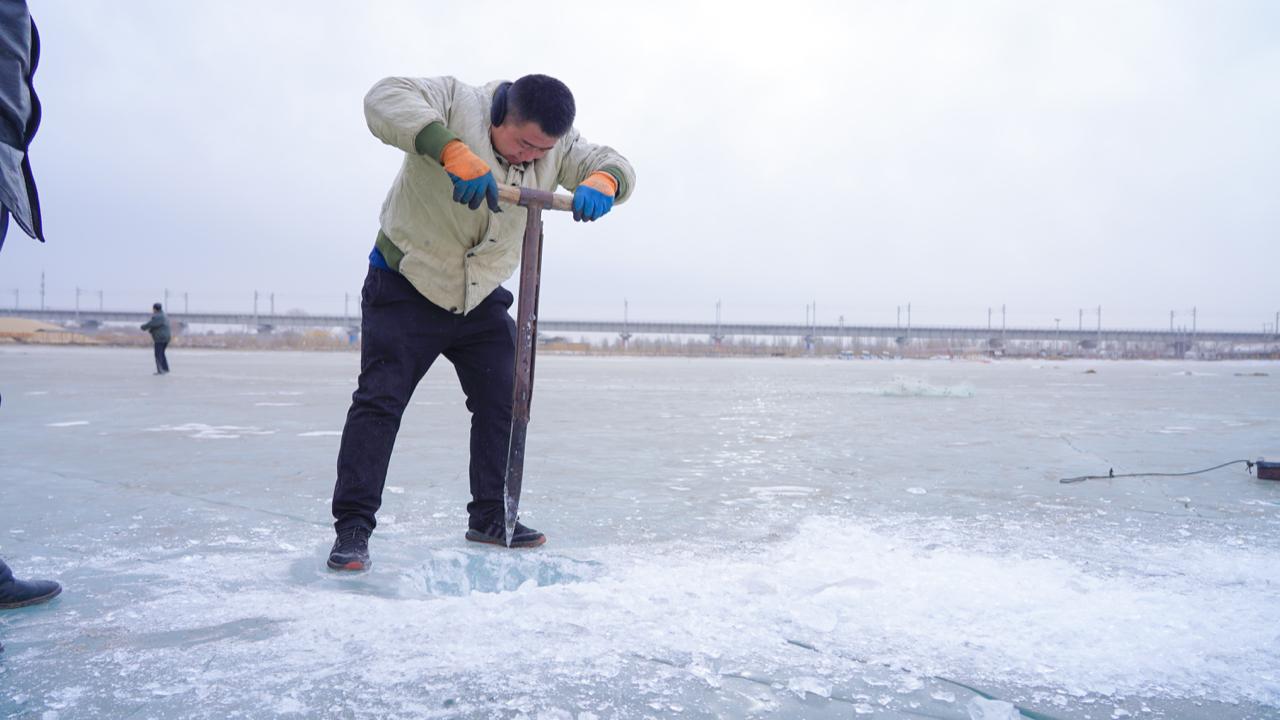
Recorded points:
(984, 709)
(771, 492)
(201, 431)
(69, 423)
(903, 386)
(321, 433)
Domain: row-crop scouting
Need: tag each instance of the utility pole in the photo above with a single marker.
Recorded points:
(1099, 328)
(717, 337)
(186, 308)
(1081, 320)
(810, 321)
(77, 304)
(166, 299)
(899, 323)
(99, 301)
(273, 303)
(626, 332)
(1057, 330)
(1170, 321)
(346, 306)
(988, 319)
(1004, 321)
(255, 309)
(908, 321)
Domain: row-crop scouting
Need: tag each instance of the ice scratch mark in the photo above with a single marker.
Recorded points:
(201, 431)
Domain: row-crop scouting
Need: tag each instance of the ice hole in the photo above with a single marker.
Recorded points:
(457, 573)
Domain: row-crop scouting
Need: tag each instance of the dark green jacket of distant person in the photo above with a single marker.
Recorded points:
(158, 326)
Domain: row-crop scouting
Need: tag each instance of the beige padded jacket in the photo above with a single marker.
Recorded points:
(453, 255)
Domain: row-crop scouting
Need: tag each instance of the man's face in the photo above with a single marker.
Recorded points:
(520, 142)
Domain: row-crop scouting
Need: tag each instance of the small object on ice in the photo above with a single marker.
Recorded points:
(917, 490)
(1090, 371)
(983, 709)
(809, 685)
(816, 617)
(1268, 470)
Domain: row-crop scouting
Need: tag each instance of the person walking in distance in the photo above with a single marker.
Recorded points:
(158, 326)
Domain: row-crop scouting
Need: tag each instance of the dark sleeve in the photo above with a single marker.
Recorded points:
(19, 118)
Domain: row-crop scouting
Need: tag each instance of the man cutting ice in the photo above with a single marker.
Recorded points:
(435, 273)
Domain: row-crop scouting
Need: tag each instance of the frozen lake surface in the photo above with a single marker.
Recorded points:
(727, 538)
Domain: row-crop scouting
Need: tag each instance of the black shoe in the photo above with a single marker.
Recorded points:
(351, 550)
(15, 593)
(495, 534)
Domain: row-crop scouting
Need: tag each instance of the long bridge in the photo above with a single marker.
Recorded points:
(992, 337)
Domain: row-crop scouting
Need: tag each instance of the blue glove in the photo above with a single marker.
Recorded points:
(590, 204)
(475, 191)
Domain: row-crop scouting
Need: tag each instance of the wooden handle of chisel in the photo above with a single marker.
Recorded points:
(511, 194)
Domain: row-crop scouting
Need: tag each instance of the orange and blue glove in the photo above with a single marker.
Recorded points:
(594, 196)
(473, 182)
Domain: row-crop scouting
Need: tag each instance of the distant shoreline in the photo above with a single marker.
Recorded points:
(295, 343)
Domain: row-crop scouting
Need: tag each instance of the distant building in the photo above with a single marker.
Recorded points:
(34, 332)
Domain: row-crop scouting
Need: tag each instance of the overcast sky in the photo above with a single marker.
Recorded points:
(957, 156)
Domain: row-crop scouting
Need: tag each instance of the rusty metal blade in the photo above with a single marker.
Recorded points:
(526, 348)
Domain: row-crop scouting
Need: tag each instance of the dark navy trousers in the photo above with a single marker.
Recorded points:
(402, 333)
(162, 363)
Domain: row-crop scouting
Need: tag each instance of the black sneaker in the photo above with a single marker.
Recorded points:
(495, 534)
(351, 550)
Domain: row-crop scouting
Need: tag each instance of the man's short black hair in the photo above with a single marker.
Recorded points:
(156, 307)
(544, 100)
